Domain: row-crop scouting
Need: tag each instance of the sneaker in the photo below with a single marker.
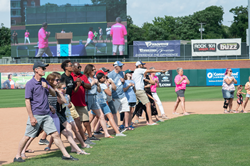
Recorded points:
(121, 127)
(120, 135)
(101, 129)
(93, 138)
(69, 158)
(18, 160)
(123, 130)
(140, 117)
(98, 133)
(108, 126)
(99, 51)
(87, 141)
(43, 142)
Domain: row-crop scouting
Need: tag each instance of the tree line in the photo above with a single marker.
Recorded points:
(173, 28)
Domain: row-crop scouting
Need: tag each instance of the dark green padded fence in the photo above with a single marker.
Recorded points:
(244, 75)
(196, 77)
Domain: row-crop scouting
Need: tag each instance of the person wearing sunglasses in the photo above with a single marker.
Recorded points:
(228, 89)
(78, 99)
(36, 100)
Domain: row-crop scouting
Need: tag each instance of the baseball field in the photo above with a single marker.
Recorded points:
(206, 137)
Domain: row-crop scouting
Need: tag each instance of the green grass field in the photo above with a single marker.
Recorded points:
(216, 140)
(15, 98)
(52, 39)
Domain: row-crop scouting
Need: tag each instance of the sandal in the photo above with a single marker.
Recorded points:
(129, 128)
(245, 112)
(110, 137)
(47, 149)
(23, 156)
(185, 113)
(29, 151)
(226, 112)
(175, 113)
(87, 146)
(136, 121)
(235, 112)
(82, 153)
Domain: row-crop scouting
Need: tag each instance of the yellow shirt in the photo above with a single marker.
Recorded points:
(247, 86)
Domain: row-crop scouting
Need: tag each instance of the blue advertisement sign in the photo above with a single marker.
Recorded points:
(165, 48)
(215, 76)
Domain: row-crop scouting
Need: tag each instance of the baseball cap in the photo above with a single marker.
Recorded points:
(104, 69)
(39, 64)
(100, 71)
(139, 63)
(128, 71)
(118, 63)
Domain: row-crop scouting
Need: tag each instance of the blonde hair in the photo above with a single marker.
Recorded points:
(59, 86)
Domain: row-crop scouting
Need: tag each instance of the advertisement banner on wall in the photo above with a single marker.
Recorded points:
(216, 47)
(15, 80)
(18, 80)
(215, 76)
(165, 79)
(165, 48)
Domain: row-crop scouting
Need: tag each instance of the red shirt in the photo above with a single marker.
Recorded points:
(78, 98)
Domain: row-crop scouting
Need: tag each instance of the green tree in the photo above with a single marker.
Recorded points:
(240, 23)
(135, 33)
(5, 48)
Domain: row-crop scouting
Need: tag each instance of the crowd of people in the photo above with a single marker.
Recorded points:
(84, 104)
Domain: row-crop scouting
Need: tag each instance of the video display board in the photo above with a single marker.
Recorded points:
(74, 28)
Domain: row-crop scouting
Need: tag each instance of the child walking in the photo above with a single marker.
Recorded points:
(240, 99)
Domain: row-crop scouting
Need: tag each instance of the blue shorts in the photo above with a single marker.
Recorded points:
(105, 109)
(248, 95)
(112, 107)
(92, 103)
(227, 94)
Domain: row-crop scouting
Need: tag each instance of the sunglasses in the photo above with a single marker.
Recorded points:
(64, 88)
(57, 80)
(70, 66)
(230, 71)
(43, 68)
(79, 67)
(93, 69)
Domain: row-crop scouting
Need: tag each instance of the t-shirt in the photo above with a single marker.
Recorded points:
(248, 84)
(153, 87)
(53, 102)
(95, 34)
(78, 98)
(138, 77)
(119, 93)
(108, 31)
(93, 90)
(130, 94)
(42, 42)
(182, 85)
(147, 90)
(226, 86)
(70, 84)
(109, 98)
(118, 31)
(100, 31)
(102, 97)
(90, 35)
(38, 96)
(26, 34)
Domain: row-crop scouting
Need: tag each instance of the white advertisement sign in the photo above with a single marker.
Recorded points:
(216, 47)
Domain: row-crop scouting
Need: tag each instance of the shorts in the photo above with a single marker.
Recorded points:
(112, 107)
(121, 105)
(43, 121)
(248, 95)
(89, 41)
(108, 36)
(105, 109)
(92, 103)
(142, 96)
(180, 93)
(121, 48)
(83, 113)
(132, 104)
(45, 50)
(227, 94)
(73, 111)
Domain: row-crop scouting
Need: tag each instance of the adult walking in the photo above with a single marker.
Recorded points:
(43, 45)
(37, 105)
(78, 99)
(247, 88)
(228, 89)
(138, 77)
(159, 105)
(117, 32)
(14, 35)
(181, 82)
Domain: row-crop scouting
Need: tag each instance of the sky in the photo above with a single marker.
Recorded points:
(145, 10)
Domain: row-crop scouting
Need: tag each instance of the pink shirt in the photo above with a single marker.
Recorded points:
(41, 35)
(182, 85)
(26, 34)
(90, 35)
(118, 31)
(153, 87)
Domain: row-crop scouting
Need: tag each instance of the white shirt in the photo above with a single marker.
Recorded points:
(138, 77)
(108, 31)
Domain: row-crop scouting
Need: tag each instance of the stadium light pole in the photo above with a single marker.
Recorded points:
(248, 29)
(201, 27)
